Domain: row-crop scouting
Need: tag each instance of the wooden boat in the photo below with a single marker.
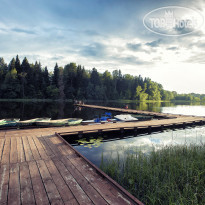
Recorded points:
(87, 122)
(9, 122)
(2, 121)
(60, 122)
(143, 117)
(74, 121)
(125, 118)
(31, 122)
(39, 120)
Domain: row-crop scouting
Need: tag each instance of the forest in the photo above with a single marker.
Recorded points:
(24, 80)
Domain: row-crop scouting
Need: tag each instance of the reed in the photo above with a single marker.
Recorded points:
(171, 175)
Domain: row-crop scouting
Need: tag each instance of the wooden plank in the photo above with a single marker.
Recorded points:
(6, 152)
(84, 183)
(46, 147)
(52, 146)
(63, 149)
(55, 140)
(14, 185)
(40, 148)
(53, 194)
(107, 190)
(77, 191)
(71, 202)
(38, 187)
(67, 151)
(4, 181)
(2, 134)
(13, 152)
(27, 195)
(14, 197)
(1, 147)
(34, 149)
(21, 155)
(62, 187)
(27, 149)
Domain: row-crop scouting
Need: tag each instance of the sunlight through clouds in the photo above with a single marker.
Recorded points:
(106, 35)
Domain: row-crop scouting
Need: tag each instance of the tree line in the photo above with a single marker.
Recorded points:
(24, 80)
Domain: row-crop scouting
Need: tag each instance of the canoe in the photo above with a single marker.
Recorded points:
(87, 122)
(2, 121)
(61, 122)
(39, 120)
(31, 121)
(9, 122)
(143, 117)
(74, 121)
(125, 118)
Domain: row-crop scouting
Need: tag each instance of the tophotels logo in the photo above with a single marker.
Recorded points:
(173, 21)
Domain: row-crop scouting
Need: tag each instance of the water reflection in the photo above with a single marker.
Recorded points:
(61, 109)
(197, 110)
(143, 143)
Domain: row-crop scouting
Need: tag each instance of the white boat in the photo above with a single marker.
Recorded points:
(87, 122)
(125, 118)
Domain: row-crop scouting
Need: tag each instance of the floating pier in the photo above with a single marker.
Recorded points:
(39, 167)
(166, 121)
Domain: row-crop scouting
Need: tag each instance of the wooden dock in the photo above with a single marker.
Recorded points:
(165, 121)
(39, 167)
(130, 111)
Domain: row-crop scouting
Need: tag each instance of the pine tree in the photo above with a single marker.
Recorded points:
(18, 65)
(12, 64)
(55, 76)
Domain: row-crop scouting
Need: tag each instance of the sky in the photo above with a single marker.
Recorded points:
(107, 35)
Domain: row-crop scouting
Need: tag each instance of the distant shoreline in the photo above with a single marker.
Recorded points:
(90, 100)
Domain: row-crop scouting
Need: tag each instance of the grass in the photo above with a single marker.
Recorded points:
(172, 175)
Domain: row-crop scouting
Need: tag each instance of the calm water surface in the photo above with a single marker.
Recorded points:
(93, 147)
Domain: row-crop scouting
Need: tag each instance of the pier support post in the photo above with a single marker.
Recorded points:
(80, 134)
(184, 125)
(135, 131)
(149, 129)
(122, 130)
(100, 131)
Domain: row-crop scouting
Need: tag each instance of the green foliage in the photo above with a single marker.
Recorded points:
(24, 80)
(172, 175)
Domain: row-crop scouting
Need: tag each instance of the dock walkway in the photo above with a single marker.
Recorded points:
(166, 120)
(38, 167)
(130, 111)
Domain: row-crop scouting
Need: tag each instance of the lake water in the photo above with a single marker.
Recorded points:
(93, 147)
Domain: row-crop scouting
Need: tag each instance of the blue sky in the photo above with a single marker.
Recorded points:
(106, 34)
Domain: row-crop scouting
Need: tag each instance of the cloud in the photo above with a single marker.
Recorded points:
(20, 30)
(132, 60)
(94, 50)
(173, 48)
(196, 58)
(134, 47)
(154, 43)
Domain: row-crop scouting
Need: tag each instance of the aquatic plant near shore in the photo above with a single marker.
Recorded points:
(171, 175)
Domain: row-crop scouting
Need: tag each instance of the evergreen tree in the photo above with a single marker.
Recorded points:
(18, 65)
(12, 64)
(55, 76)
(24, 80)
